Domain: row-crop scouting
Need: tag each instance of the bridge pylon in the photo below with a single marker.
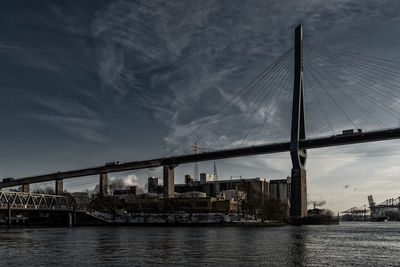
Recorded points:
(298, 202)
(103, 184)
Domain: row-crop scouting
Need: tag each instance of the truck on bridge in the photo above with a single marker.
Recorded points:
(350, 132)
(112, 163)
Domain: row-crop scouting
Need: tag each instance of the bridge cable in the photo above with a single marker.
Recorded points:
(280, 71)
(245, 92)
(275, 102)
(365, 77)
(286, 84)
(372, 100)
(370, 59)
(360, 92)
(332, 99)
(279, 93)
(327, 120)
(359, 65)
(270, 84)
(362, 108)
(274, 74)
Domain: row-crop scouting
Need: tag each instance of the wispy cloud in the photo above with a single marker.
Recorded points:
(186, 63)
(78, 127)
(31, 57)
(71, 116)
(173, 58)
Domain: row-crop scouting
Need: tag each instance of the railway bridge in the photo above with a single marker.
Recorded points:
(40, 204)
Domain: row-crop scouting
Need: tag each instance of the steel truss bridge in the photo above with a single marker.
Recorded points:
(31, 202)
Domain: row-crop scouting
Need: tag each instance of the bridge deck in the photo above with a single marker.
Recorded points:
(329, 141)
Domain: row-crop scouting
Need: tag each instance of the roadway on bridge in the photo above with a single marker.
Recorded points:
(329, 141)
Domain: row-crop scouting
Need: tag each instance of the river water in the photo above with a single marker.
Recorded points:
(363, 244)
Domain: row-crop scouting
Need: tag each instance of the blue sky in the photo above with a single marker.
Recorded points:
(87, 82)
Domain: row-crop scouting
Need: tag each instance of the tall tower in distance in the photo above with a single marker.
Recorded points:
(216, 179)
(196, 164)
(298, 202)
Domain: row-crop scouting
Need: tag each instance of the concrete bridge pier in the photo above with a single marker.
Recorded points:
(169, 181)
(9, 214)
(73, 216)
(25, 188)
(59, 187)
(70, 219)
(298, 207)
(103, 184)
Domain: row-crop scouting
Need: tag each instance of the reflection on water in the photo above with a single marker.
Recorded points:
(346, 244)
(297, 245)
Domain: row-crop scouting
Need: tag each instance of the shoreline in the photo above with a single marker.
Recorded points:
(217, 224)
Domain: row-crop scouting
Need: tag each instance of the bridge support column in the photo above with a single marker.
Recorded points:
(74, 216)
(103, 184)
(25, 188)
(8, 214)
(59, 190)
(169, 181)
(298, 199)
(70, 219)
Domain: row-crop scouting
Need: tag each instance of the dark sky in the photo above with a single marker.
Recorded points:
(87, 82)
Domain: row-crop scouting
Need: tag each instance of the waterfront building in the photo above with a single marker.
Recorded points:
(132, 190)
(280, 189)
(154, 185)
(207, 177)
(253, 191)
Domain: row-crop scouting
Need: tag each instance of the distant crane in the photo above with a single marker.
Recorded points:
(356, 213)
(389, 209)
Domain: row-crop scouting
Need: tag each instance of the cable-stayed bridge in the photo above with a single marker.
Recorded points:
(337, 80)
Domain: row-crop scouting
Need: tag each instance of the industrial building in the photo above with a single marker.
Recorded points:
(190, 202)
(155, 185)
(254, 189)
(132, 190)
(207, 194)
(207, 177)
(280, 189)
